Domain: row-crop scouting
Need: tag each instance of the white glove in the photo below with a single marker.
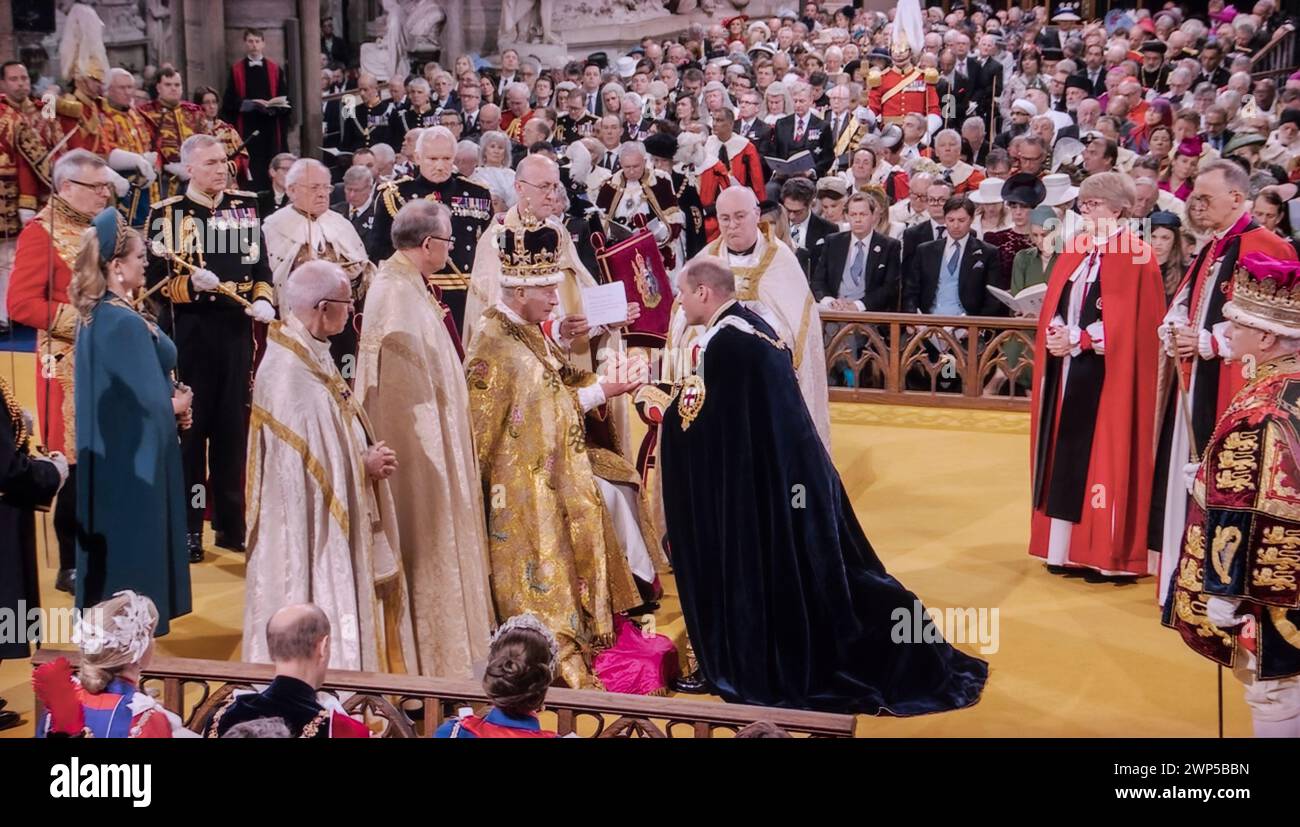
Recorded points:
(60, 463)
(29, 424)
(658, 230)
(120, 184)
(1189, 474)
(204, 280)
(150, 158)
(933, 123)
(177, 170)
(262, 311)
(25, 215)
(129, 162)
(1222, 611)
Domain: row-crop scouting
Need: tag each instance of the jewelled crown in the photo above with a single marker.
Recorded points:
(1266, 295)
(530, 257)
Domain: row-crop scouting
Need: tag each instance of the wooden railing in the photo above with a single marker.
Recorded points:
(911, 359)
(1279, 58)
(195, 689)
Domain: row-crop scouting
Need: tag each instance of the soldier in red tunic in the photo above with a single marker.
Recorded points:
(173, 119)
(38, 298)
(903, 89)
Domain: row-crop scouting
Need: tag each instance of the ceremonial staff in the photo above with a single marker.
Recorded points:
(1195, 458)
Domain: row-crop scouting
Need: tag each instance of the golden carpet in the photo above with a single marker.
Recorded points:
(943, 496)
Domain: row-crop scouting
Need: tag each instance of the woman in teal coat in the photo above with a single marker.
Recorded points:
(130, 489)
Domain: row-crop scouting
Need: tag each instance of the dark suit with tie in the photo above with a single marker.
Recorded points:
(1218, 143)
(759, 133)
(599, 108)
(989, 85)
(881, 272)
(953, 112)
(913, 237)
(1098, 85)
(978, 268)
(472, 129)
(809, 250)
(816, 139)
(362, 222)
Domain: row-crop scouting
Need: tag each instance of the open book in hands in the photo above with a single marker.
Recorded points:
(1028, 302)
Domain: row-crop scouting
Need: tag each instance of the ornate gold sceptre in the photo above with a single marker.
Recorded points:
(224, 287)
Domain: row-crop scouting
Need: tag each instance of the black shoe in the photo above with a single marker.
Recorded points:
(1068, 571)
(9, 720)
(3, 703)
(195, 544)
(226, 540)
(692, 684)
(66, 581)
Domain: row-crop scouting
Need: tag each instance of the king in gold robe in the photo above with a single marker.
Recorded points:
(410, 380)
(559, 545)
(319, 529)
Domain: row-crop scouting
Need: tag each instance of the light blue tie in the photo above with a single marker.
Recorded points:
(859, 265)
(954, 262)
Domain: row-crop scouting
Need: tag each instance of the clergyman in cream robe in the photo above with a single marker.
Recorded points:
(411, 382)
(292, 238)
(319, 529)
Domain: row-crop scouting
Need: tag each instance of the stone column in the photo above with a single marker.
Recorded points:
(203, 43)
(453, 32)
(309, 61)
(8, 47)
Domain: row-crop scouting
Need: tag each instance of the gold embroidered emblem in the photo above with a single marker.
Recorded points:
(691, 400)
(1196, 542)
(646, 284)
(1237, 462)
(1227, 539)
(1277, 560)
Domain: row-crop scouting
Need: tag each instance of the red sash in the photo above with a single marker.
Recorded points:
(483, 729)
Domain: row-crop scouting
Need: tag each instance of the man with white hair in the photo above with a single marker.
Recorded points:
(517, 112)
(437, 180)
(38, 297)
(635, 125)
(418, 113)
(466, 158)
(385, 160)
(311, 230)
(135, 150)
(637, 196)
(366, 115)
(771, 282)
(964, 177)
(802, 131)
(216, 231)
(847, 132)
(358, 203)
(322, 527)
(412, 384)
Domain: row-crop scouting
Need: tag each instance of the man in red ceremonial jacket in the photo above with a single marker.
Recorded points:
(1096, 356)
(1233, 596)
(254, 84)
(1194, 327)
(38, 298)
(174, 119)
(904, 89)
(25, 140)
(729, 159)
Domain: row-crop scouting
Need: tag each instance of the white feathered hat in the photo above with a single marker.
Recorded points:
(82, 52)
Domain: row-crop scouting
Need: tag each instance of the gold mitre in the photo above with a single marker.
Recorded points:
(1266, 295)
(530, 256)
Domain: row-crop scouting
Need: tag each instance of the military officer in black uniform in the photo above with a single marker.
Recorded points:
(418, 113)
(470, 205)
(576, 122)
(366, 117)
(217, 235)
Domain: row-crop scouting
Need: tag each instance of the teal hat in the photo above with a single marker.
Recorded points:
(1042, 216)
(108, 229)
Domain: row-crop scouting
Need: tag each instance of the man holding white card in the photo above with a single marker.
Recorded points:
(565, 536)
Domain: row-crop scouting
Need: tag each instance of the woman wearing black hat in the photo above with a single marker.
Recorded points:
(1166, 241)
(1021, 193)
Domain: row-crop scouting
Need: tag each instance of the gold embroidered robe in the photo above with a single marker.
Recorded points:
(550, 538)
(319, 529)
(412, 384)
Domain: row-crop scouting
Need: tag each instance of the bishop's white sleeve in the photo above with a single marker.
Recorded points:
(592, 396)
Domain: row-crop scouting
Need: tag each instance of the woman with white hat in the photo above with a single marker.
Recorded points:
(992, 210)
